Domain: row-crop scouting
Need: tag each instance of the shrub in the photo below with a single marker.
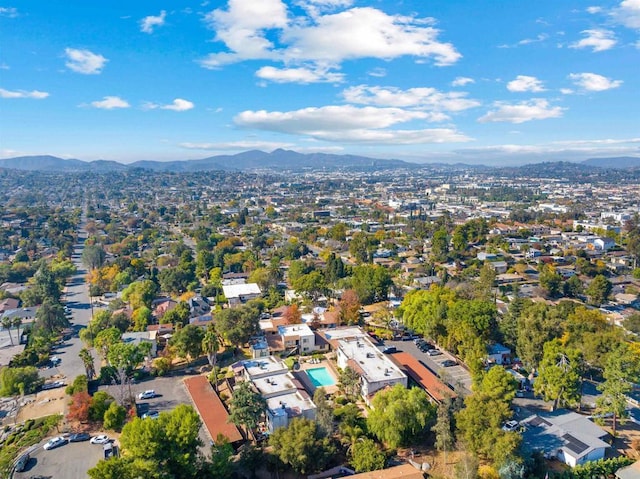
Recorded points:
(80, 384)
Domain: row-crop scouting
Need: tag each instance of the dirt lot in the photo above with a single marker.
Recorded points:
(44, 403)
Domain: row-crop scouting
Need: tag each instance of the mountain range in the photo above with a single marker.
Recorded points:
(254, 160)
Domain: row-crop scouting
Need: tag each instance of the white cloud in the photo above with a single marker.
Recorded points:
(538, 38)
(84, 61)
(110, 103)
(536, 109)
(428, 100)
(594, 82)
(525, 83)
(594, 10)
(566, 91)
(377, 72)
(628, 14)
(236, 145)
(10, 12)
(348, 124)
(148, 24)
(249, 29)
(33, 94)
(176, 105)
(298, 75)
(462, 81)
(597, 40)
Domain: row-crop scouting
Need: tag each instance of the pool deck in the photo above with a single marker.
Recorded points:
(322, 364)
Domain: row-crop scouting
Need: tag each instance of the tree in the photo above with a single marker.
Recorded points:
(140, 293)
(211, 345)
(188, 341)
(443, 428)
(237, 325)
(312, 285)
(114, 417)
(170, 442)
(324, 412)
(93, 256)
(302, 446)
(50, 317)
(349, 308)
(105, 340)
(21, 381)
(621, 372)
(371, 283)
(366, 456)
(127, 356)
(141, 318)
(599, 290)
(550, 281)
(480, 422)
(99, 404)
(247, 406)
(399, 415)
(349, 382)
(559, 376)
(126, 468)
(573, 287)
(79, 407)
(87, 360)
(537, 324)
(440, 245)
(292, 315)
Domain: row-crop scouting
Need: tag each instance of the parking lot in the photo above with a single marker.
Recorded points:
(456, 376)
(71, 461)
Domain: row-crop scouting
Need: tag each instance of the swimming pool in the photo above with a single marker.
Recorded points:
(320, 377)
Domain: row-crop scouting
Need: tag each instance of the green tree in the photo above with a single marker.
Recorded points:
(440, 246)
(105, 340)
(573, 287)
(126, 468)
(50, 317)
(237, 325)
(188, 341)
(115, 417)
(349, 382)
(87, 360)
(621, 372)
(550, 281)
(559, 375)
(302, 446)
(400, 416)
(537, 324)
(141, 318)
(443, 428)
(371, 283)
(140, 293)
(247, 406)
(324, 412)
(599, 290)
(93, 256)
(127, 356)
(211, 345)
(22, 381)
(99, 404)
(366, 456)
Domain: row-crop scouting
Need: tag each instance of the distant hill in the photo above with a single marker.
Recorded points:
(617, 162)
(248, 160)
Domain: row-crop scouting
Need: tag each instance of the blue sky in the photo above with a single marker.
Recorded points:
(494, 82)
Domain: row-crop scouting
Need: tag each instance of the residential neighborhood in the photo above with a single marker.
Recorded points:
(445, 322)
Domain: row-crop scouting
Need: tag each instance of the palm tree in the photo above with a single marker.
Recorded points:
(210, 345)
(17, 322)
(6, 324)
(87, 359)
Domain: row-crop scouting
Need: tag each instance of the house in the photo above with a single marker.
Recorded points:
(437, 390)
(355, 350)
(566, 436)
(138, 337)
(198, 306)
(239, 294)
(285, 396)
(498, 354)
(161, 306)
(500, 267)
(297, 336)
(604, 244)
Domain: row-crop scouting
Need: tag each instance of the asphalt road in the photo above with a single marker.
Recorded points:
(70, 461)
(455, 376)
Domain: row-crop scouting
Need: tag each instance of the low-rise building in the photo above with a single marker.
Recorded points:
(239, 294)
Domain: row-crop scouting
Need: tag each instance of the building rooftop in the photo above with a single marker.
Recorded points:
(237, 290)
(267, 366)
(293, 404)
(374, 365)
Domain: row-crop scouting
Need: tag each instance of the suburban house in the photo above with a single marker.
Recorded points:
(239, 294)
(567, 436)
(137, 337)
(285, 396)
(498, 354)
(355, 350)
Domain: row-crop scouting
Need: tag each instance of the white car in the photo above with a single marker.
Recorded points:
(54, 442)
(510, 426)
(151, 415)
(101, 439)
(149, 394)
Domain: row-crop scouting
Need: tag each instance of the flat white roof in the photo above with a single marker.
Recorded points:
(237, 290)
(295, 330)
(292, 404)
(273, 385)
(343, 333)
(375, 365)
(263, 366)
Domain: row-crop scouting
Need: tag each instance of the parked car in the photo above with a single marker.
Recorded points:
(148, 394)
(53, 385)
(79, 437)
(100, 439)
(390, 350)
(447, 363)
(21, 463)
(510, 426)
(55, 360)
(54, 442)
(434, 352)
(151, 415)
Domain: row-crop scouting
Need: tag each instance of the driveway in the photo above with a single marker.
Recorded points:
(456, 376)
(71, 461)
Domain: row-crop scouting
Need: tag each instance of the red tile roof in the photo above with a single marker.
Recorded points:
(423, 376)
(211, 409)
